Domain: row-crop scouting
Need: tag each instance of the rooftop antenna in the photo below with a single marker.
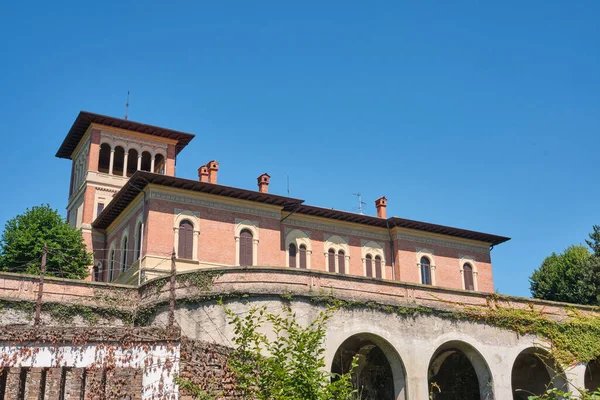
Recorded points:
(360, 203)
(127, 105)
(288, 184)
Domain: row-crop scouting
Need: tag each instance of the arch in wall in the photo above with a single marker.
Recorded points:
(592, 375)
(242, 225)
(458, 371)
(380, 373)
(298, 238)
(374, 250)
(159, 164)
(339, 245)
(118, 161)
(132, 161)
(104, 158)
(146, 161)
(533, 371)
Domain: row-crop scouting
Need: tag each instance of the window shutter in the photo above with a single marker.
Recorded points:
(303, 256)
(185, 250)
(342, 262)
(124, 261)
(331, 260)
(468, 274)
(378, 267)
(245, 248)
(292, 253)
(369, 265)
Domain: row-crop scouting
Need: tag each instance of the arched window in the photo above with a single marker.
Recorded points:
(341, 262)
(369, 265)
(331, 259)
(124, 255)
(378, 267)
(302, 256)
(146, 161)
(246, 248)
(159, 164)
(111, 266)
(104, 158)
(138, 245)
(425, 271)
(186, 240)
(132, 160)
(292, 257)
(118, 161)
(468, 277)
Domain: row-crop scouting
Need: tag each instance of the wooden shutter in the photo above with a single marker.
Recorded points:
(378, 267)
(302, 256)
(186, 240)
(468, 275)
(331, 260)
(292, 257)
(369, 265)
(245, 248)
(124, 261)
(341, 262)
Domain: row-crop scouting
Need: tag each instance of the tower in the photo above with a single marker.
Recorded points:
(105, 152)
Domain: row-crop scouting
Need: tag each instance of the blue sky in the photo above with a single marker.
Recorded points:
(476, 114)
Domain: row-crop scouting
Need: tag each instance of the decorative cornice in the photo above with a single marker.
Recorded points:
(337, 229)
(178, 198)
(443, 243)
(128, 139)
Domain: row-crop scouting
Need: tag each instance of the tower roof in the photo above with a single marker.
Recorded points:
(86, 118)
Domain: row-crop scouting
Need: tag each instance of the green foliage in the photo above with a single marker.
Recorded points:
(594, 240)
(557, 394)
(24, 237)
(290, 366)
(569, 277)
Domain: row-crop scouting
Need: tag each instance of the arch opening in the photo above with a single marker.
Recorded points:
(458, 371)
(159, 164)
(146, 162)
(379, 374)
(592, 375)
(533, 372)
(104, 158)
(132, 162)
(118, 161)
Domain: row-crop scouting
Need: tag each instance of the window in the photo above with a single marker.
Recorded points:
(331, 258)
(425, 271)
(341, 262)
(124, 257)
(104, 158)
(98, 273)
(246, 248)
(303, 256)
(468, 277)
(369, 265)
(378, 267)
(186, 240)
(100, 208)
(111, 266)
(138, 245)
(292, 252)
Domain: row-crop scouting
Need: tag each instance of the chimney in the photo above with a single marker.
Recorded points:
(381, 204)
(203, 173)
(263, 183)
(212, 167)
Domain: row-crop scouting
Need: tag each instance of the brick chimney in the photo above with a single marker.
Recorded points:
(263, 183)
(203, 173)
(381, 204)
(212, 167)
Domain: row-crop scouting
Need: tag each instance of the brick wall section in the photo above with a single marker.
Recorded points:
(205, 364)
(74, 383)
(33, 384)
(53, 381)
(13, 384)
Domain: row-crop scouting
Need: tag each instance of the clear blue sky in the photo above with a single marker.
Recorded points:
(477, 114)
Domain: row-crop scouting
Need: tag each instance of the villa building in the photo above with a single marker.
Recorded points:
(134, 212)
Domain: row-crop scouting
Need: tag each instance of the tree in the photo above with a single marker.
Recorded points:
(571, 276)
(26, 234)
(290, 365)
(594, 241)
